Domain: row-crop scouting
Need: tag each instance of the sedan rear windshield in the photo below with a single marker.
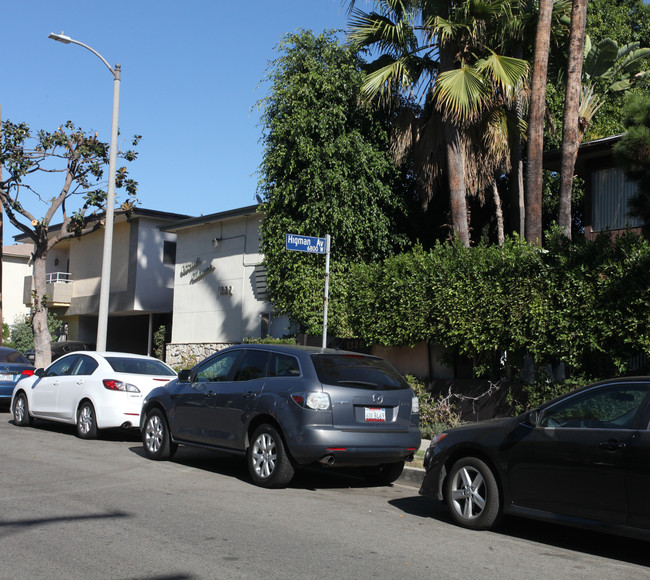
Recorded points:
(137, 366)
(357, 372)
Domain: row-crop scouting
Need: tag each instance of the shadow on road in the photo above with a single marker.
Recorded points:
(633, 551)
(71, 430)
(312, 478)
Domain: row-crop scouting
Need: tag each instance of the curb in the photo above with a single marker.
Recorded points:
(411, 476)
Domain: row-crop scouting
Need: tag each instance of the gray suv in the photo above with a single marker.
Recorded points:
(284, 407)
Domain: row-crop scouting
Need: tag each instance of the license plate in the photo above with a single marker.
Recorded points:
(7, 378)
(375, 414)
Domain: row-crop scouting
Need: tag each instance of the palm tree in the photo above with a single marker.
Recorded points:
(536, 124)
(435, 51)
(570, 141)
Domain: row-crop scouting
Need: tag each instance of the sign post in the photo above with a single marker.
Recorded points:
(313, 245)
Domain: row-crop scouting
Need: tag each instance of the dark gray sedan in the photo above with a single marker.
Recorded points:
(581, 460)
(284, 407)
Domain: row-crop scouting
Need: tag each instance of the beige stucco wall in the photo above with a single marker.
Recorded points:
(214, 297)
(15, 267)
(85, 259)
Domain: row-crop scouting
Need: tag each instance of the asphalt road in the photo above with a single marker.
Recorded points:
(99, 509)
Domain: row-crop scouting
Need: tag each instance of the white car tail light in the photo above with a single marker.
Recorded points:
(113, 385)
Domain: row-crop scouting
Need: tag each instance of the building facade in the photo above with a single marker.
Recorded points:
(141, 289)
(16, 264)
(220, 293)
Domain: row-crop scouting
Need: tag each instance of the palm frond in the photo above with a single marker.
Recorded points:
(373, 29)
(460, 93)
(505, 71)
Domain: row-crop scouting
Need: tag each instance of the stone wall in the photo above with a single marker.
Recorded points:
(186, 355)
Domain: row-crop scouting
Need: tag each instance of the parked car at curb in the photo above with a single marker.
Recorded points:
(92, 390)
(13, 367)
(284, 407)
(581, 460)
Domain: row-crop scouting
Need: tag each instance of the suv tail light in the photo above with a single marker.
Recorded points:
(113, 385)
(27, 372)
(315, 401)
(415, 406)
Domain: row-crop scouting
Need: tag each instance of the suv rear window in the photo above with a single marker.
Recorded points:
(357, 371)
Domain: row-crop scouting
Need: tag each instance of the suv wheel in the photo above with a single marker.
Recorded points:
(268, 461)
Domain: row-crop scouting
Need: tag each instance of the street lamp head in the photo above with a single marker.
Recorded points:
(60, 37)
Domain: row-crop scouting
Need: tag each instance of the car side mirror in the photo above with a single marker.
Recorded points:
(39, 372)
(184, 376)
(532, 418)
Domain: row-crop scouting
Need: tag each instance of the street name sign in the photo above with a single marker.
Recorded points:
(308, 244)
(313, 245)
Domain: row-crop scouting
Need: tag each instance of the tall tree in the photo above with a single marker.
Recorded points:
(534, 183)
(325, 169)
(633, 153)
(439, 48)
(79, 158)
(570, 125)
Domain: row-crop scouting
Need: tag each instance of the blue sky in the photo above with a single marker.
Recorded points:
(192, 72)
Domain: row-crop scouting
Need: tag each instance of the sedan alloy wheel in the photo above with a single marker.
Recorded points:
(472, 494)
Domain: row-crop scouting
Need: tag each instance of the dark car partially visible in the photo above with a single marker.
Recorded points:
(581, 460)
(13, 367)
(59, 348)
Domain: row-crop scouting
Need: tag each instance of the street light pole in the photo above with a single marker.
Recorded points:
(105, 281)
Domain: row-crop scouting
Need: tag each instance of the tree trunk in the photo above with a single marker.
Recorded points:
(42, 337)
(536, 125)
(455, 161)
(570, 129)
(516, 179)
(456, 177)
(498, 213)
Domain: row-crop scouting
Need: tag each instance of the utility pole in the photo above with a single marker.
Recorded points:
(1, 238)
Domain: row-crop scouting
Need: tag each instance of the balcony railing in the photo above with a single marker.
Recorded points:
(58, 288)
(54, 277)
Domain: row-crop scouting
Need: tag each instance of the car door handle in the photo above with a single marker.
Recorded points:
(250, 395)
(612, 445)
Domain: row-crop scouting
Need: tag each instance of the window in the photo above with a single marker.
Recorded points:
(357, 371)
(603, 408)
(252, 366)
(138, 366)
(217, 368)
(85, 366)
(284, 365)
(169, 252)
(63, 366)
(611, 194)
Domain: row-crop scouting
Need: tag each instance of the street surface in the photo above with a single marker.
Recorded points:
(99, 509)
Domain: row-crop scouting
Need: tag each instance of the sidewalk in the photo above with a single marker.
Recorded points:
(412, 476)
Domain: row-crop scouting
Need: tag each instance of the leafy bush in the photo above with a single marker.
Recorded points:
(583, 303)
(269, 340)
(22, 333)
(436, 415)
(541, 391)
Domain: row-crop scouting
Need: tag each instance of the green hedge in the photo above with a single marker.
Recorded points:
(584, 303)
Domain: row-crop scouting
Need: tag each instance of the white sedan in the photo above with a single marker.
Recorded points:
(92, 390)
